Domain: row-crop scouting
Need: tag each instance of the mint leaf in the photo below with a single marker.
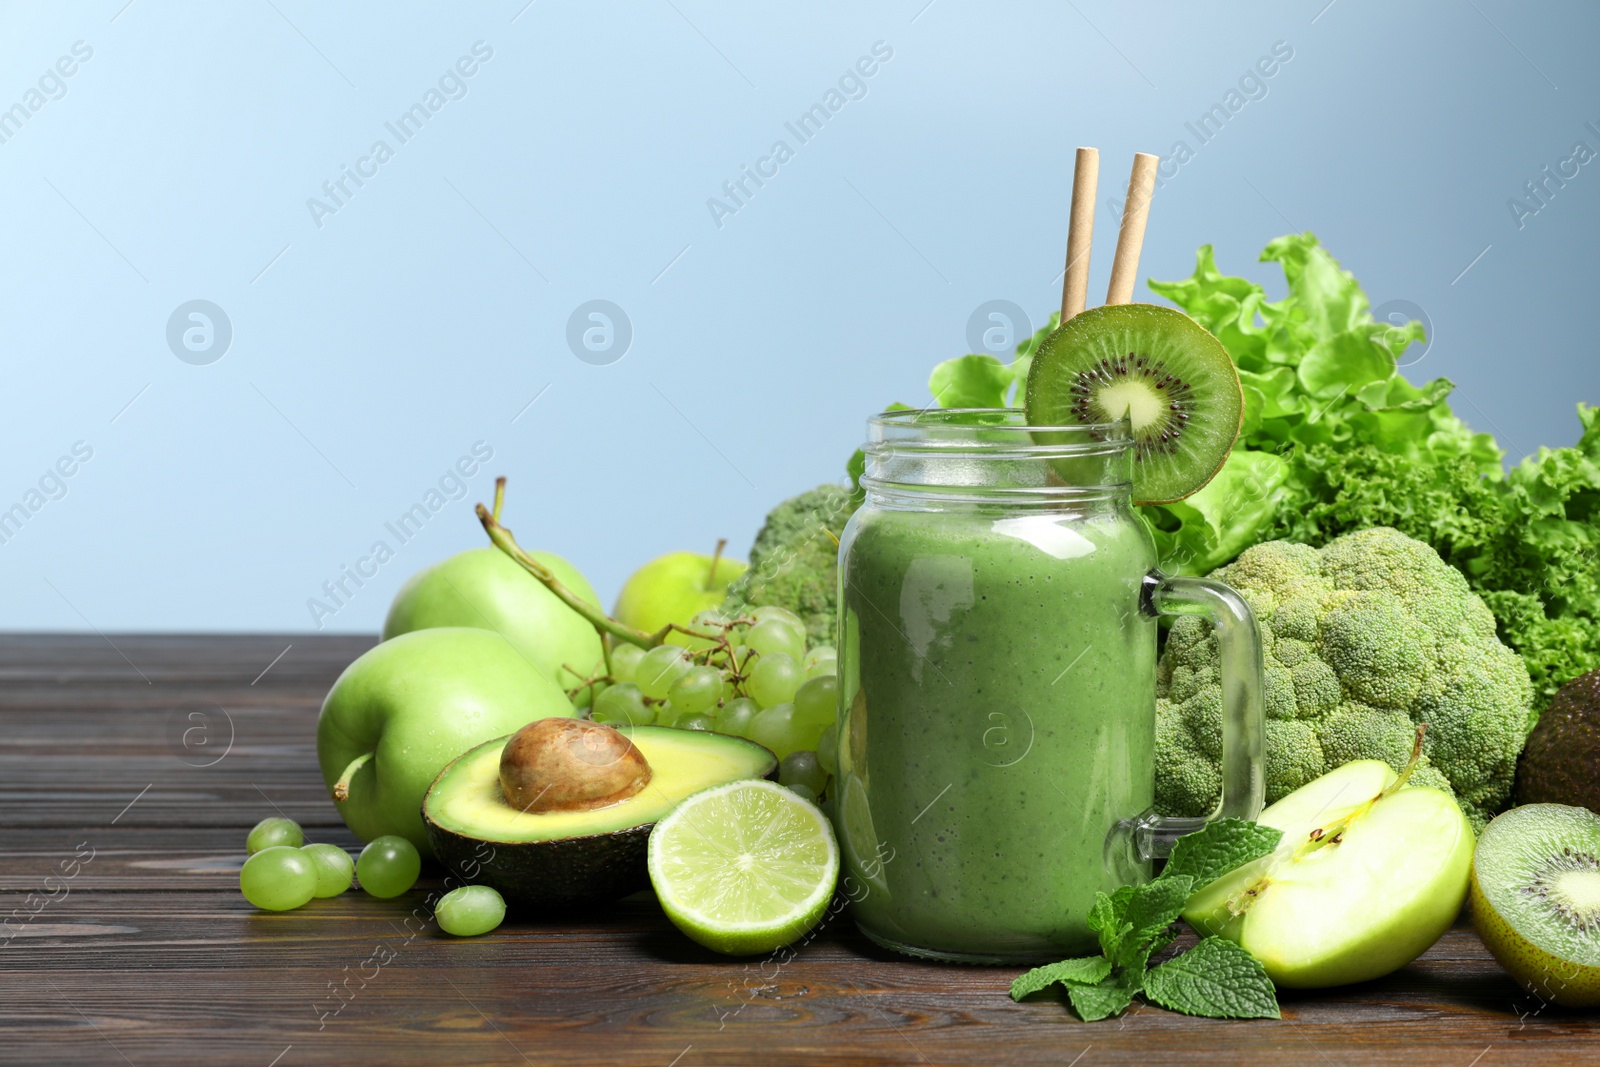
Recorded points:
(1096, 1002)
(1216, 979)
(975, 381)
(1087, 970)
(1108, 919)
(1150, 908)
(1113, 995)
(1134, 914)
(1220, 847)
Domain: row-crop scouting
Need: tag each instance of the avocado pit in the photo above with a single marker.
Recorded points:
(557, 764)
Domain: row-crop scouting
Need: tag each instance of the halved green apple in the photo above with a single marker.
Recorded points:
(1364, 882)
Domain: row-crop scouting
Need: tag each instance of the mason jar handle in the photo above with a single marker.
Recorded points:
(1243, 714)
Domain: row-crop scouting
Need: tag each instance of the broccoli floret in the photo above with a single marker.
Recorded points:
(794, 562)
(1364, 639)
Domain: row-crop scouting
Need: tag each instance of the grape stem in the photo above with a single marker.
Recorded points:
(341, 788)
(502, 539)
(603, 676)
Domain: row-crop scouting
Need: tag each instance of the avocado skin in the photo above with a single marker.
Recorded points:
(594, 869)
(556, 873)
(1561, 761)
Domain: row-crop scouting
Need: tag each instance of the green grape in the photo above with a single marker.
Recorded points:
(774, 728)
(800, 768)
(828, 749)
(823, 659)
(734, 716)
(773, 638)
(278, 878)
(695, 722)
(696, 690)
(335, 869)
(773, 680)
(274, 831)
(659, 668)
(622, 705)
(816, 703)
(625, 662)
(770, 613)
(470, 910)
(388, 866)
(666, 714)
(805, 792)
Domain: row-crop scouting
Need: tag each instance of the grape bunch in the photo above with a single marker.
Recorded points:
(748, 675)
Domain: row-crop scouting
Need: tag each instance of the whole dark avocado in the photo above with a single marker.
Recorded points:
(1561, 762)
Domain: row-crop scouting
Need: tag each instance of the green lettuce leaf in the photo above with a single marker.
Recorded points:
(1345, 363)
(974, 381)
(1234, 511)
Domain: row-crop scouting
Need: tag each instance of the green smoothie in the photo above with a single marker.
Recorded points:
(997, 696)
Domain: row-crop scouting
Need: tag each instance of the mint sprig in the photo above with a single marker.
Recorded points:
(1216, 978)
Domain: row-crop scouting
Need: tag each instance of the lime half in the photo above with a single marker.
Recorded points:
(744, 868)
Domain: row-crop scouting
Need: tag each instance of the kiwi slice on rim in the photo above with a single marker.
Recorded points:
(1160, 369)
(1536, 899)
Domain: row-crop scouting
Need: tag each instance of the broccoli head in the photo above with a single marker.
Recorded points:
(1364, 639)
(794, 562)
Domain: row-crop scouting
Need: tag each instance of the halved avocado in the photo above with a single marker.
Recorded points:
(568, 857)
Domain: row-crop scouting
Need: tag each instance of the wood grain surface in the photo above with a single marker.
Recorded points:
(131, 769)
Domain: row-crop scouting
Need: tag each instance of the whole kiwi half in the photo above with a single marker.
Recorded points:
(1156, 367)
(1535, 899)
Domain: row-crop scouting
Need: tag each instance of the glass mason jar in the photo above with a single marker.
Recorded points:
(997, 665)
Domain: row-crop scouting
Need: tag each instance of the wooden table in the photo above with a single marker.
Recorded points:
(134, 766)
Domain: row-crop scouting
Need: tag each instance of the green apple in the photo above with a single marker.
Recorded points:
(675, 588)
(484, 588)
(406, 708)
(1364, 881)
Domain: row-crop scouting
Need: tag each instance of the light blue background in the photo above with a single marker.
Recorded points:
(369, 353)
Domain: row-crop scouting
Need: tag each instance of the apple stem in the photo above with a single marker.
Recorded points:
(1411, 764)
(716, 558)
(1333, 833)
(499, 496)
(341, 788)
